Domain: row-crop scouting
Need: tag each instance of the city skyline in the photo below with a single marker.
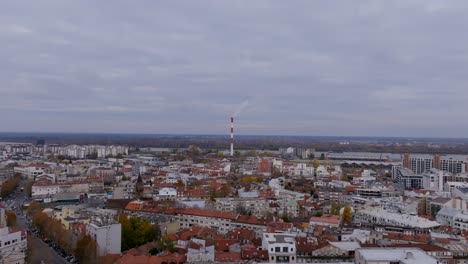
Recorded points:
(364, 68)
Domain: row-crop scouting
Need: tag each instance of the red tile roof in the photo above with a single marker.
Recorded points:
(227, 257)
(326, 219)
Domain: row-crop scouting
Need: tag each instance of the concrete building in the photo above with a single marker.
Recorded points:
(108, 237)
(199, 252)
(255, 206)
(13, 244)
(166, 194)
(460, 221)
(408, 179)
(393, 256)
(378, 216)
(452, 165)
(421, 164)
(281, 247)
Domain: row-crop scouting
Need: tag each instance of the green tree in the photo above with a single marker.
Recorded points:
(347, 215)
(163, 245)
(335, 209)
(136, 232)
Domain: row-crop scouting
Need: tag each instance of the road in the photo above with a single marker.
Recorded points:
(38, 251)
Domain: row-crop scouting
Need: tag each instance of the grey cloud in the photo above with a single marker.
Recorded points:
(307, 67)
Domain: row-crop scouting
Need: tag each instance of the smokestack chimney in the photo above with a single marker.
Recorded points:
(232, 136)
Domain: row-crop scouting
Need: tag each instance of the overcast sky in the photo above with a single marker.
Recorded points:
(346, 68)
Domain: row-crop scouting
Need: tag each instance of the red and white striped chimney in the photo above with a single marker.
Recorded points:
(232, 136)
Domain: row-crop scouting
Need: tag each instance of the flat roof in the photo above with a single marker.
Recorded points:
(403, 255)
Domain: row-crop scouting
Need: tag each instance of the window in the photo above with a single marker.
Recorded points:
(292, 249)
(277, 249)
(285, 249)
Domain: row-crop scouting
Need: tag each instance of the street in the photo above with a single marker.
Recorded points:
(38, 250)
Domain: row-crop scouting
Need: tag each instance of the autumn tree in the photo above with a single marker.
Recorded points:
(11, 218)
(316, 164)
(86, 249)
(10, 185)
(180, 184)
(33, 209)
(28, 188)
(347, 215)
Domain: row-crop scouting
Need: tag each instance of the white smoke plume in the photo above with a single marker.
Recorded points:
(240, 108)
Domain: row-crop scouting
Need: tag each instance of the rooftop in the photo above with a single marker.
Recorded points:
(401, 255)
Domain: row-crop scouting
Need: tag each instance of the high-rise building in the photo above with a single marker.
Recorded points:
(452, 165)
(421, 164)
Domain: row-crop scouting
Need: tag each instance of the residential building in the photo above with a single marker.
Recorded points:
(13, 244)
(408, 179)
(281, 247)
(393, 256)
(460, 221)
(107, 236)
(378, 216)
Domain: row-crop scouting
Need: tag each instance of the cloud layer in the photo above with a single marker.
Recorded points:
(358, 68)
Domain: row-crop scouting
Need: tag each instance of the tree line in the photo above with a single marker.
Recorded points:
(10, 185)
(79, 245)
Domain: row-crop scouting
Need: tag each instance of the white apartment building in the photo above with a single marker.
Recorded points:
(301, 169)
(281, 247)
(31, 171)
(421, 164)
(446, 216)
(166, 194)
(460, 221)
(45, 188)
(452, 165)
(256, 206)
(393, 256)
(13, 245)
(200, 253)
(223, 222)
(435, 179)
(107, 236)
(378, 216)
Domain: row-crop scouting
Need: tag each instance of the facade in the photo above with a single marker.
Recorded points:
(281, 247)
(13, 244)
(256, 206)
(377, 216)
(460, 221)
(408, 179)
(421, 164)
(31, 171)
(167, 194)
(452, 165)
(199, 252)
(107, 236)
